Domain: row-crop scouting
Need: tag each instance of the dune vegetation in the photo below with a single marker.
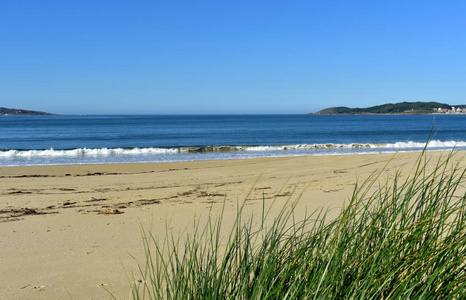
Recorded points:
(402, 239)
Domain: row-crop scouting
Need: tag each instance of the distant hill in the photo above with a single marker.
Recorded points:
(390, 108)
(21, 112)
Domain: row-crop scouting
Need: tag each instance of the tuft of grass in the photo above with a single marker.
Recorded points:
(405, 239)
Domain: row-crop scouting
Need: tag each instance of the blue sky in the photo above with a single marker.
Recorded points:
(195, 57)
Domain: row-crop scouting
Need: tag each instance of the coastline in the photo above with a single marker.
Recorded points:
(102, 156)
(369, 114)
(61, 244)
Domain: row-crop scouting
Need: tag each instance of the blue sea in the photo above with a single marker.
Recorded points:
(91, 139)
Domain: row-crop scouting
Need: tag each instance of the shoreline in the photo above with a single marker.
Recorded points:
(108, 164)
(338, 150)
(207, 160)
(55, 237)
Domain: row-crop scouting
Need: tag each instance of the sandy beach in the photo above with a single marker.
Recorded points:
(71, 231)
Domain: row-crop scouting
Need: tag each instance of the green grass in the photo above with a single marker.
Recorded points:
(404, 239)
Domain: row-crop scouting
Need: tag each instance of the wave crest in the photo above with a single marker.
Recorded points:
(98, 152)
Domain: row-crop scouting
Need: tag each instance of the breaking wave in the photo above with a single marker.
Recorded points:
(102, 152)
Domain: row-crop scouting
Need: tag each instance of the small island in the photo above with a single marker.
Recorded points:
(401, 108)
(22, 112)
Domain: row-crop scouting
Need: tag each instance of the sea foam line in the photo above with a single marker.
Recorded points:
(178, 150)
(86, 152)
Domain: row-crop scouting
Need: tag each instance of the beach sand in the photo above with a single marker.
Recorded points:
(71, 232)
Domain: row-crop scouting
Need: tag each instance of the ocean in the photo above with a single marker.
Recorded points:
(91, 139)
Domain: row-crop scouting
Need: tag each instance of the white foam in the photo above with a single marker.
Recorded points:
(106, 152)
(307, 147)
(86, 152)
(431, 144)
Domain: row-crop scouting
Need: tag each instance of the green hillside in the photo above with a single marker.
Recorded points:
(21, 112)
(390, 108)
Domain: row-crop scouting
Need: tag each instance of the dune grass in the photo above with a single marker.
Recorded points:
(404, 239)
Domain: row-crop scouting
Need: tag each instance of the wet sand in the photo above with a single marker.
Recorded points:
(71, 231)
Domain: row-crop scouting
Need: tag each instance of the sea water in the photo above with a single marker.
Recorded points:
(45, 140)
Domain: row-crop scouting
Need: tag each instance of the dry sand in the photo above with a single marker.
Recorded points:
(58, 240)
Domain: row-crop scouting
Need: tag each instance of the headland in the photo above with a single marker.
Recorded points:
(401, 108)
(22, 112)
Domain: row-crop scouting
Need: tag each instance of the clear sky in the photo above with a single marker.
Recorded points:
(170, 57)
